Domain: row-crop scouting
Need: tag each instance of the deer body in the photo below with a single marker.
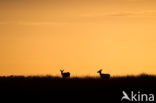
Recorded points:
(65, 74)
(105, 76)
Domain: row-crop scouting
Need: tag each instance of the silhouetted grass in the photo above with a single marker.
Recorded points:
(48, 77)
(82, 87)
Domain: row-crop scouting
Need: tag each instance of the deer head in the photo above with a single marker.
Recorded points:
(99, 71)
(61, 71)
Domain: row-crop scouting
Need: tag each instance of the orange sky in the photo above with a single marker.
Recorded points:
(38, 37)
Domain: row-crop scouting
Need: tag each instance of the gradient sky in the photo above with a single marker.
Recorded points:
(38, 37)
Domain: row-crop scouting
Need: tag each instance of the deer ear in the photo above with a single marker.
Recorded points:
(100, 70)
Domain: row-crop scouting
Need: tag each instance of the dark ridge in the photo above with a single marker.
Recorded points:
(88, 88)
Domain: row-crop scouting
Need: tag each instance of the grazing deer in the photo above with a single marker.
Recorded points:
(65, 74)
(105, 76)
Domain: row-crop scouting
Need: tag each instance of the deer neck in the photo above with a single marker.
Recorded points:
(62, 73)
(100, 73)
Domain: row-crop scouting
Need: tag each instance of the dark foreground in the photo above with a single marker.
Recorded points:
(55, 90)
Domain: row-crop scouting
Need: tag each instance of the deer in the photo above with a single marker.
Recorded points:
(65, 74)
(104, 76)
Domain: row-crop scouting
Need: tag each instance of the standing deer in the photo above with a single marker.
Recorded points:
(105, 76)
(65, 74)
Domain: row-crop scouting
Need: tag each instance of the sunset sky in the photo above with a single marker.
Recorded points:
(38, 37)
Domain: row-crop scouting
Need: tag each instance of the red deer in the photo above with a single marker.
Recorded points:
(104, 76)
(65, 74)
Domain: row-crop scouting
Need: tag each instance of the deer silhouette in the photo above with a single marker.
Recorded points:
(104, 76)
(65, 74)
